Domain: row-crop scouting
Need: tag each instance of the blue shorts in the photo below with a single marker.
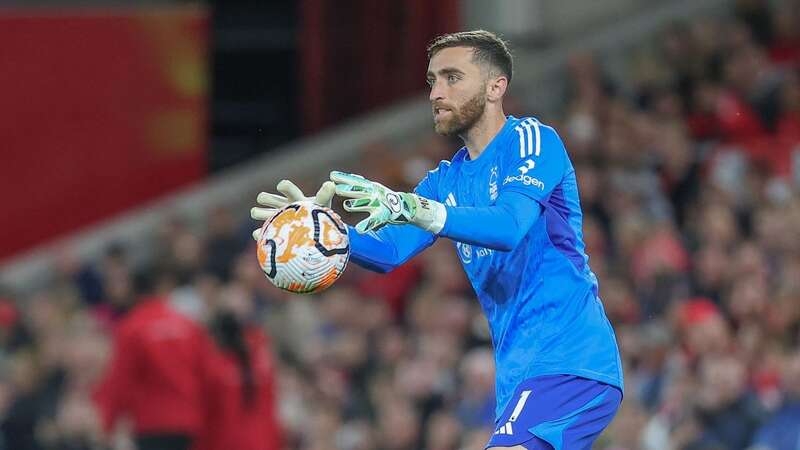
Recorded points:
(556, 412)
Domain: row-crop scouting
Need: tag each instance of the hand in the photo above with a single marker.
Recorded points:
(274, 202)
(386, 206)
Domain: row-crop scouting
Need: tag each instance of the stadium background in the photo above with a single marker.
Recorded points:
(135, 136)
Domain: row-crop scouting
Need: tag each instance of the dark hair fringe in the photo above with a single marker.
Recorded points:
(488, 48)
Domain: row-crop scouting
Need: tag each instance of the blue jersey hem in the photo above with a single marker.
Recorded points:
(583, 373)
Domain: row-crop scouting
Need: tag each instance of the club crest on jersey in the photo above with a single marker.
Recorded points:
(493, 184)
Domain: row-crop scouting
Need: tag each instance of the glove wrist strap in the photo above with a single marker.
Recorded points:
(430, 215)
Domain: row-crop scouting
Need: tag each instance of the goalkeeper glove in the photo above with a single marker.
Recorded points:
(386, 206)
(274, 202)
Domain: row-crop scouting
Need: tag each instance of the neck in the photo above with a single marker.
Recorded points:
(477, 138)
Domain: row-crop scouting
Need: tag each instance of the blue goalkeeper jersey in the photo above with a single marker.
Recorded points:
(540, 298)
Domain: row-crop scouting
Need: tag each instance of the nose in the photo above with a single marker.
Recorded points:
(436, 92)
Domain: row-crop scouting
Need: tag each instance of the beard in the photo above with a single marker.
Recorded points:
(462, 118)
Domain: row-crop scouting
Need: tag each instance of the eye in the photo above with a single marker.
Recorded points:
(452, 78)
(430, 82)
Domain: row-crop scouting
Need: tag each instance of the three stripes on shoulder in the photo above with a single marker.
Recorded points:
(530, 142)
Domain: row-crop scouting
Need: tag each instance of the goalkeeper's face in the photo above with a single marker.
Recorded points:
(458, 91)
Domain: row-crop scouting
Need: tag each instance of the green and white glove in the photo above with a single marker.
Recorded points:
(274, 202)
(386, 206)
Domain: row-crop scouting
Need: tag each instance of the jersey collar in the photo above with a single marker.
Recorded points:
(488, 152)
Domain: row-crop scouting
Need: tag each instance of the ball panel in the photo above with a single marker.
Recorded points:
(304, 248)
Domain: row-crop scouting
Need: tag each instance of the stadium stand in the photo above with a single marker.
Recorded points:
(688, 160)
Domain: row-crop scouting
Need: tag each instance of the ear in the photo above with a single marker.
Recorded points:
(496, 88)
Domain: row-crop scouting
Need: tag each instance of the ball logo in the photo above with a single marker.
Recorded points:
(393, 200)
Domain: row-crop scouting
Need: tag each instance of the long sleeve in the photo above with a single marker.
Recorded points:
(500, 226)
(392, 245)
(389, 247)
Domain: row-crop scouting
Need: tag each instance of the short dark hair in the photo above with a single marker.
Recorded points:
(487, 48)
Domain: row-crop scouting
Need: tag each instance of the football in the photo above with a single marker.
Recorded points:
(304, 248)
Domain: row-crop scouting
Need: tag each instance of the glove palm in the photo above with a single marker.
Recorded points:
(291, 193)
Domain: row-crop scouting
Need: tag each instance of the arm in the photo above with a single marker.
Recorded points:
(528, 180)
(500, 227)
(389, 247)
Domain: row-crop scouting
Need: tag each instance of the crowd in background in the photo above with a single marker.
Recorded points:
(689, 175)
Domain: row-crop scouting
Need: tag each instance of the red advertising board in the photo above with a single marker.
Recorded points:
(100, 110)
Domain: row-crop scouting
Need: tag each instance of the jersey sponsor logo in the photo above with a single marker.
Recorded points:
(508, 428)
(527, 180)
(466, 252)
(481, 252)
(493, 184)
(529, 165)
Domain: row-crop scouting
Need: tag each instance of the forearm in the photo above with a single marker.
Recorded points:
(500, 227)
(388, 248)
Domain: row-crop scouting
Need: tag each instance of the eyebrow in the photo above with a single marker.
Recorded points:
(446, 71)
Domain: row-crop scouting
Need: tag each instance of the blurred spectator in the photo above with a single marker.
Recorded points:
(155, 375)
(727, 413)
(239, 394)
(781, 432)
(223, 243)
(476, 406)
(443, 433)
(399, 426)
(32, 397)
(689, 172)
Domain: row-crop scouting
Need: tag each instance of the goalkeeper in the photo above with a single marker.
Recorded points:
(509, 201)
